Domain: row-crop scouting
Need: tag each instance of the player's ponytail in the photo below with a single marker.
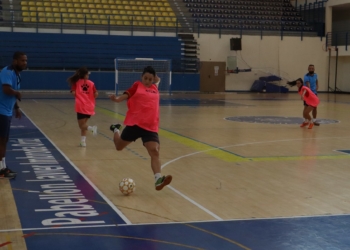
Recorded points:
(293, 83)
(79, 74)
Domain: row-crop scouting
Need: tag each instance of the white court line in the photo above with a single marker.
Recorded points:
(195, 203)
(233, 220)
(223, 147)
(52, 228)
(167, 223)
(127, 221)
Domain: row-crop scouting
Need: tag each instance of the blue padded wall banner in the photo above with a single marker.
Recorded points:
(57, 80)
(71, 51)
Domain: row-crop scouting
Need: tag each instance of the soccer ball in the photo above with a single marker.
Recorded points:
(127, 186)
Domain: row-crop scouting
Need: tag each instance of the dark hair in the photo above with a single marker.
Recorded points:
(293, 83)
(79, 74)
(18, 55)
(150, 70)
(311, 65)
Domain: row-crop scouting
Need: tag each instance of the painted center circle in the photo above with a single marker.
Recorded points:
(275, 120)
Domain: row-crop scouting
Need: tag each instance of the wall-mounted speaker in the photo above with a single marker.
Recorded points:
(236, 43)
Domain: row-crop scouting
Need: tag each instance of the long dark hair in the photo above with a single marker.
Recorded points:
(79, 74)
(293, 83)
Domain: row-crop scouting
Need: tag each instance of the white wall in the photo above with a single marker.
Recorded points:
(343, 76)
(343, 81)
(289, 57)
(331, 3)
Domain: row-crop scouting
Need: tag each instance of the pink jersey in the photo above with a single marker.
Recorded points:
(310, 98)
(143, 107)
(84, 96)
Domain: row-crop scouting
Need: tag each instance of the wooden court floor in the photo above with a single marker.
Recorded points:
(222, 169)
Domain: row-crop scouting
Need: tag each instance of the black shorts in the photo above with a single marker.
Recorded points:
(132, 133)
(82, 116)
(5, 124)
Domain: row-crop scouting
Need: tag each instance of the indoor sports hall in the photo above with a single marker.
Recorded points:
(245, 175)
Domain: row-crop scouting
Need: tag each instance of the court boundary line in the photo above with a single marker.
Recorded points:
(123, 217)
(61, 227)
(195, 203)
(179, 222)
(233, 220)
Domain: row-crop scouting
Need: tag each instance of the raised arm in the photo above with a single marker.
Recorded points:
(156, 81)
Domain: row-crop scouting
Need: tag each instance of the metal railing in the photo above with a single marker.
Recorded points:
(315, 4)
(335, 39)
(37, 20)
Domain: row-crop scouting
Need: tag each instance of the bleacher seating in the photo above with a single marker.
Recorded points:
(71, 51)
(246, 14)
(113, 12)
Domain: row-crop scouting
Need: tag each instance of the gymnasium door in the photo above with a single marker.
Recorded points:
(212, 76)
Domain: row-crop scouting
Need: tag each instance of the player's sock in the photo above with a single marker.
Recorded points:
(115, 128)
(157, 176)
(3, 163)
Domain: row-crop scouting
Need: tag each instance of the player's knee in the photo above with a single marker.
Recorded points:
(153, 152)
(119, 147)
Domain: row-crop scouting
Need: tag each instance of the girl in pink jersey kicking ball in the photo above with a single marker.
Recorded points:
(310, 99)
(142, 121)
(85, 94)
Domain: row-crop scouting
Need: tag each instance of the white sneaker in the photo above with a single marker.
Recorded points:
(94, 130)
(83, 144)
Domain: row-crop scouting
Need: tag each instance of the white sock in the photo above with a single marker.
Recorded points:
(314, 119)
(116, 131)
(157, 176)
(83, 138)
(1, 165)
(90, 128)
(4, 163)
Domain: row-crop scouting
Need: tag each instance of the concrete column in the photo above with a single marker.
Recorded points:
(329, 11)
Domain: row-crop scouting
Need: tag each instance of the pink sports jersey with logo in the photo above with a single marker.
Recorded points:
(310, 98)
(84, 96)
(143, 107)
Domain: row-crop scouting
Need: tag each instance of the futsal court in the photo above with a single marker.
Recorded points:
(245, 176)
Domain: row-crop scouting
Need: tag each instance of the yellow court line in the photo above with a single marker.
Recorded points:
(199, 146)
(220, 153)
(300, 158)
(9, 246)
